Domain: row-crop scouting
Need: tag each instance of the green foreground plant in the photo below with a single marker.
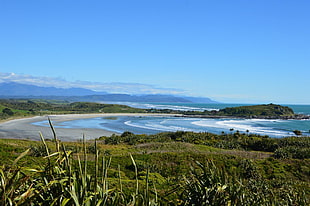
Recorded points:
(211, 185)
(59, 184)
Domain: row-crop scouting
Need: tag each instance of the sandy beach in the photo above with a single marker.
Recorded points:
(24, 129)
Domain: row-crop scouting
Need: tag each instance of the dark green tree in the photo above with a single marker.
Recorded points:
(297, 132)
(7, 111)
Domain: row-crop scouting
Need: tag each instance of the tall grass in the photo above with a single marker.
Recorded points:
(59, 183)
(15, 186)
(211, 185)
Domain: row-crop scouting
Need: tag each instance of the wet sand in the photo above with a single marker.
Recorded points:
(24, 129)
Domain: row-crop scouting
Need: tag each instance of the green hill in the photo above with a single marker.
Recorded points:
(10, 108)
(265, 110)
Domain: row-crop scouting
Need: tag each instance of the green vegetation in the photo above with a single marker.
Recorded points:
(16, 108)
(265, 111)
(173, 168)
(271, 111)
(170, 168)
(21, 108)
(297, 132)
(294, 147)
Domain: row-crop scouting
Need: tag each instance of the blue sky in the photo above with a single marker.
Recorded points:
(231, 51)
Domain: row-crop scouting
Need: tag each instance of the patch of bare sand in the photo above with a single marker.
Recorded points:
(24, 129)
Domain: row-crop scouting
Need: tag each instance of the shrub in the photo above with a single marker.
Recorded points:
(114, 139)
(297, 132)
(281, 153)
(7, 111)
(249, 169)
(210, 185)
(292, 152)
(38, 151)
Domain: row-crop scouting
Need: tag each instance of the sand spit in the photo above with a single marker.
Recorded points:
(24, 129)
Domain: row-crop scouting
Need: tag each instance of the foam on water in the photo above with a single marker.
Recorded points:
(156, 126)
(243, 125)
(151, 125)
(180, 107)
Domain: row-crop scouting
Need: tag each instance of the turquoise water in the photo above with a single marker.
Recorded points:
(299, 109)
(151, 125)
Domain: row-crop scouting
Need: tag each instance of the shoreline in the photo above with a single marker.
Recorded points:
(296, 117)
(22, 128)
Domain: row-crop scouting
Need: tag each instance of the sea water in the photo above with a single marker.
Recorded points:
(152, 125)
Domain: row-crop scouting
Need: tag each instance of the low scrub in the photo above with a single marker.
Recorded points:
(158, 173)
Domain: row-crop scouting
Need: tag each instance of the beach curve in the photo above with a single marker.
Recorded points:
(25, 129)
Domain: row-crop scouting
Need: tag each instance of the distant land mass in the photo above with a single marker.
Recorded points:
(264, 111)
(17, 90)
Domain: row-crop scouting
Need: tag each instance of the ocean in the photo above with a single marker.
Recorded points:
(152, 125)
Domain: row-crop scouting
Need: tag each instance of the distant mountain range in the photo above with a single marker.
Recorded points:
(17, 90)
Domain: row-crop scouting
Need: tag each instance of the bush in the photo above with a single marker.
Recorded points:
(38, 151)
(126, 134)
(114, 139)
(249, 169)
(292, 152)
(7, 111)
(281, 153)
(211, 185)
(297, 132)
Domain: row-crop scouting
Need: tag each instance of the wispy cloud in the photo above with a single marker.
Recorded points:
(113, 87)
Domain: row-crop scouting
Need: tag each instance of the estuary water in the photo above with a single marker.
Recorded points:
(152, 125)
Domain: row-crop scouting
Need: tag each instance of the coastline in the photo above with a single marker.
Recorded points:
(23, 128)
(295, 117)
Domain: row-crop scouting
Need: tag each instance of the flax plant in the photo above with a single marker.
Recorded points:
(60, 183)
(15, 185)
(211, 185)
